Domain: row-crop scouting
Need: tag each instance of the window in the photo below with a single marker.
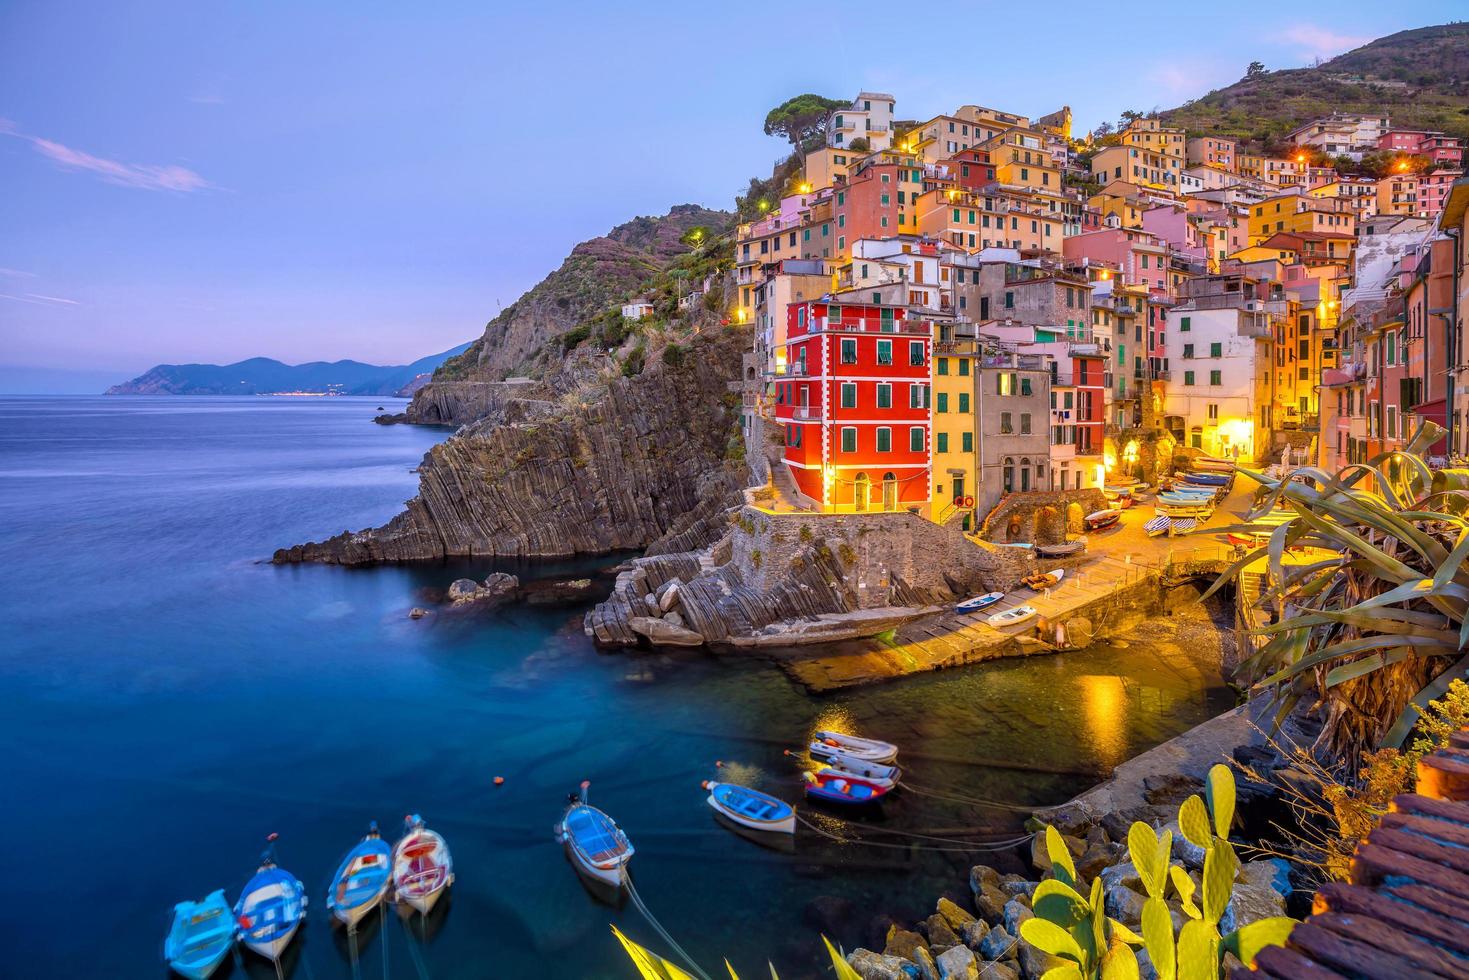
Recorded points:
(915, 352)
(849, 350)
(941, 365)
(1392, 347)
(941, 442)
(1005, 425)
(849, 439)
(1025, 423)
(915, 395)
(885, 352)
(1392, 421)
(1216, 377)
(1025, 386)
(1216, 350)
(966, 442)
(1009, 300)
(943, 405)
(1004, 384)
(963, 368)
(849, 395)
(834, 315)
(884, 439)
(1188, 350)
(1183, 323)
(915, 439)
(963, 401)
(1213, 413)
(884, 395)
(1188, 378)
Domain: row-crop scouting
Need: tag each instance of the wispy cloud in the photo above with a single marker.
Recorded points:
(1314, 41)
(37, 299)
(144, 176)
(207, 98)
(17, 274)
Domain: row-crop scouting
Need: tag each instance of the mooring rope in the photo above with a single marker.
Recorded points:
(968, 847)
(972, 800)
(382, 922)
(637, 901)
(413, 951)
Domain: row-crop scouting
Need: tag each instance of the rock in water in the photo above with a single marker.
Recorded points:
(463, 590)
(663, 633)
(497, 589)
(875, 966)
(958, 964)
(417, 612)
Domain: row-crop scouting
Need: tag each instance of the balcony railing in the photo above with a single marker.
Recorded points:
(806, 413)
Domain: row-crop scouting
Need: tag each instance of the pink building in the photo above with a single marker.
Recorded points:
(1140, 257)
(1433, 189)
(1438, 147)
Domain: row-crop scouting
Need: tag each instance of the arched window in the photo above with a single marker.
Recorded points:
(1009, 474)
(861, 491)
(889, 492)
(1025, 473)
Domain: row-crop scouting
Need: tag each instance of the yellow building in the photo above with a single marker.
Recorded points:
(1152, 135)
(955, 463)
(1124, 199)
(1398, 194)
(1300, 213)
(828, 164)
(1360, 193)
(1020, 159)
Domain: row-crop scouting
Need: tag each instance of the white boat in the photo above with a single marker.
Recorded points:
(1011, 617)
(594, 842)
(979, 602)
(875, 771)
(422, 867)
(752, 808)
(886, 782)
(866, 749)
(1157, 526)
(1041, 581)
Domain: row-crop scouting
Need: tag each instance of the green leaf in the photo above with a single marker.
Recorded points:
(1068, 971)
(732, 974)
(1055, 901)
(1060, 855)
(1193, 820)
(1435, 688)
(1184, 885)
(1116, 930)
(1247, 941)
(843, 970)
(1220, 789)
(1050, 938)
(1158, 934)
(1142, 847)
(1220, 866)
(1198, 951)
(1359, 668)
(1097, 935)
(1119, 963)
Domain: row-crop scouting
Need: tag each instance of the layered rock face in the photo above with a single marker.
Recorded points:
(639, 464)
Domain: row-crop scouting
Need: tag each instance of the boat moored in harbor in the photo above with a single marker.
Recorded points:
(201, 936)
(752, 808)
(593, 841)
(271, 907)
(422, 867)
(827, 744)
(361, 880)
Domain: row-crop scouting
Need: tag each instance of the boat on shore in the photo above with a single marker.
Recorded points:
(1061, 550)
(840, 787)
(593, 841)
(1013, 617)
(422, 867)
(201, 936)
(1207, 479)
(361, 880)
(979, 602)
(270, 908)
(865, 749)
(1181, 526)
(1041, 581)
(1157, 526)
(1098, 520)
(752, 808)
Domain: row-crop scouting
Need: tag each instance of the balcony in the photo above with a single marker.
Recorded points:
(1020, 362)
(806, 413)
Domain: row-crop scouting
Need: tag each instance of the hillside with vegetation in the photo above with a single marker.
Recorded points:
(1419, 77)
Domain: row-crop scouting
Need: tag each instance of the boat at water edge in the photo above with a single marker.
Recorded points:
(271, 907)
(423, 869)
(866, 749)
(1061, 550)
(201, 936)
(876, 771)
(593, 841)
(361, 880)
(979, 602)
(752, 808)
(1012, 617)
(839, 787)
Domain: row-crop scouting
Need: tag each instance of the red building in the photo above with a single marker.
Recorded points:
(855, 406)
(1433, 190)
(1438, 147)
(971, 168)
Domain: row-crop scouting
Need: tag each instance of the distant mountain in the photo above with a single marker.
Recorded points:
(1420, 78)
(264, 376)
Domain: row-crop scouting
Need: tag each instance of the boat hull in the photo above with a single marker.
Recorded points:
(423, 868)
(781, 825)
(861, 767)
(270, 911)
(868, 749)
(844, 790)
(1013, 617)
(980, 602)
(601, 832)
(273, 948)
(201, 936)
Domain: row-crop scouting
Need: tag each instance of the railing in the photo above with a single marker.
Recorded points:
(805, 413)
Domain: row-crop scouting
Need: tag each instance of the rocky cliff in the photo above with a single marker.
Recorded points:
(628, 462)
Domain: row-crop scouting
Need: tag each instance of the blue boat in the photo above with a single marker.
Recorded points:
(270, 908)
(752, 808)
(362, 879)
(201, 936)
(1206, 479)
(838, 787)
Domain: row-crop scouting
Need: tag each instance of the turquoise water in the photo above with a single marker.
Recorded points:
(167, 700)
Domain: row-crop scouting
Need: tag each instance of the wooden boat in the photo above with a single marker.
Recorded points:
(361, 880)
(1061, 550)
(422, 867)
(1184, 500)
(839, 787)
(1041, 581)
(1181, 526)
(979, 602)
(875, 771)
(752, 808)
(1012, 617)
(593, 841)
(201, 936)
(271, 907)
(1158, 525)
(1206, 479)
(1102, 519)
(888, 782)
(866, 749)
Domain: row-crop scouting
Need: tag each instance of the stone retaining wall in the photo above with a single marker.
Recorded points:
(1041, 516)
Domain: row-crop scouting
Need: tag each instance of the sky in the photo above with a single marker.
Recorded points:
(210, 181)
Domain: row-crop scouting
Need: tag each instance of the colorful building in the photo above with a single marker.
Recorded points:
(869, 117)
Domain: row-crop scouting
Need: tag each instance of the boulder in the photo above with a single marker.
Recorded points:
(902, 942)
(1125, 905)
(1273, 873)
(463, 590)
(1016, 913)
(662, 633)
(1185, 853)
(998, 945)
(497, 588)
(927, 966)
(940, 935)
(1016, 887)
(652, 603)
(958, 964)
(1040, 857)
(1120, 874)
(417, 612)
(1035, 962)
(673, 618)
(990, 901)
(974, 933)
(1097, 857)
(668, 594)
(1250, 903)
(998, 971)
(956, 917)
(983, 874)
(875, 966)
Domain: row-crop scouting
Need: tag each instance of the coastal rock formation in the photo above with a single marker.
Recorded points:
(497, 589)
(641, 460)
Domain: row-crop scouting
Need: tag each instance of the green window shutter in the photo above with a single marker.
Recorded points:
(964, 367)
(1025, 386)
(1216, 350)
(956, 216)
(915, 439)
(1216, 377)
(943, 365)
(963, 401)
(849, 440)
(1188, 377)
(885, 352)
(943, 401)
(849, 396)
(1183, 323)
(884, 396)
(942, 442)
(884, 440)
(915, 352)
(1188, 350)
(967, 442)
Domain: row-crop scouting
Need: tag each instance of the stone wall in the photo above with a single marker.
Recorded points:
(1041, 516)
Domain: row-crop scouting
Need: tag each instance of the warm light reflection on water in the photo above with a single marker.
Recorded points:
(1104, 700)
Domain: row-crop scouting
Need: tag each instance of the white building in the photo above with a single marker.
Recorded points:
(870, 116)
(637, 309)
(1342, 134)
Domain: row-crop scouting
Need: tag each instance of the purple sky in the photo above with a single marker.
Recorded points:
(187, 181)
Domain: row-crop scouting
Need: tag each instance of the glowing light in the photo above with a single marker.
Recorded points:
(1402, 165)
(1240, 434)
(740, 314)
(1104, 705)
(1129, 452)
(1105, 275)
(764, 206)
(1101, 474)
(805, 188)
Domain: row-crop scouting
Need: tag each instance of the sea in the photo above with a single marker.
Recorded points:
(169, 698)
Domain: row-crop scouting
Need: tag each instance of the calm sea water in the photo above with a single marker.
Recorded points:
(167, 700)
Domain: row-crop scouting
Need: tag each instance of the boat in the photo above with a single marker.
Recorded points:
(1041, 581)
(1011, 617)
(593, 841)
(1158, 525)
(875, 771)
(1184, 500)
(361, 880)
(1206, 479)
(1182, 526)
(201, 936)
(840, 787)
(1012, 544)
(865, 749)
(1102, 519)
(752, 808)
(1061, 550)
(423, 870)
(979, 602)
(270, 908)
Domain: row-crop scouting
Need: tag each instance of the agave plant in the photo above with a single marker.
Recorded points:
(1377, 628)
